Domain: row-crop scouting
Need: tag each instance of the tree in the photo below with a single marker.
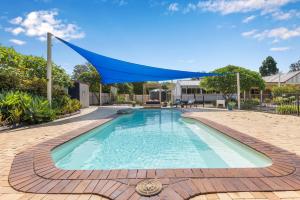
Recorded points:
(28, 73)
(124, 88)
(138, 87)
(87, 73)
(295, 66)
(79, 69)
(269, 67)
(226, 84)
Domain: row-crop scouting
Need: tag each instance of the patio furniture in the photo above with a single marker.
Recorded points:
(220, 102)
(177, 102)
(190, 102)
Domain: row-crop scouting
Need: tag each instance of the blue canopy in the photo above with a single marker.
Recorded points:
(117, 71)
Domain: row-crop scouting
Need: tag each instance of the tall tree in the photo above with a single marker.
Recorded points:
(28, 73)
(79, 69)
(125, 88)
(295, 66)
(227, 85)
(138, 87)
(87, 74)
(269, 67)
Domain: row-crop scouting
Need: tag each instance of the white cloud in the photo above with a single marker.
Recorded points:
(249, 19)
(190, 7)
(173, 7)
(15, 31)
(280, 15)
(235, 6)
(281, 33)
(17, 42)
(16, 20)
(38, 23)
(279, 48)
(249, 33)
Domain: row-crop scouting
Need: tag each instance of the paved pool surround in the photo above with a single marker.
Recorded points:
(34, 171)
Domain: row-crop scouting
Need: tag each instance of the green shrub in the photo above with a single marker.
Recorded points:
(284, 100)
(38, 110)
(250, 103)
(65, 105)
(120, 99)
(286, 109)
(17, 107)
(284, 89)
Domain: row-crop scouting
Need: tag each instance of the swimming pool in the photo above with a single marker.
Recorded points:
(155, 139)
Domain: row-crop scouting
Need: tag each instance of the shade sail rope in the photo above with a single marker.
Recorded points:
(118, 71)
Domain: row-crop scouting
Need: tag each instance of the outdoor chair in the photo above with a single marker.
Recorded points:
(177, 102)
(190, 102)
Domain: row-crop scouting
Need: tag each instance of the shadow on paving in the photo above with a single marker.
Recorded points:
(99, 113)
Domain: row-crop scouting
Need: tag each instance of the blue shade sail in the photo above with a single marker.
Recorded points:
(118, 71)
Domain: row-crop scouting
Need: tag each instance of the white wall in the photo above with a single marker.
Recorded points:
(84, 95)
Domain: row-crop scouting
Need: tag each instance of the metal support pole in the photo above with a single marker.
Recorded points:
(261, 97)
(238, 90)
(298, 105)
(143, 94)
(49, 67)
(100, 96)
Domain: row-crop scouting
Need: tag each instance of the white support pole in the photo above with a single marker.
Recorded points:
(100, 96)
(49, 67)
(172, 98)
(261, 97)
(238, 90)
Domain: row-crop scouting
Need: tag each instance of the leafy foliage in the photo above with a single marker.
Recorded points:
(295, 66)
(284, 89)
(138, 87)
(286, 109)
(17, 107)
(124, 88)
(64, 105)
(250, 103)
(28, 73)
(269, 67)
(227, 85)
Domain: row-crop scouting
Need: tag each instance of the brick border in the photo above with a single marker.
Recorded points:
(34, 171)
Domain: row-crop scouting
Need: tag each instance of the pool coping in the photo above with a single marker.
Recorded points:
(33, 171)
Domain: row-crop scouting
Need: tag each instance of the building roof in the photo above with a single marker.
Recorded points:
(189, 82)
(284, 77)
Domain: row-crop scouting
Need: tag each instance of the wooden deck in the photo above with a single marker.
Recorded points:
(33, 171)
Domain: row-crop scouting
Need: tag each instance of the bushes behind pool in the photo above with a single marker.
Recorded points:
(21, 107)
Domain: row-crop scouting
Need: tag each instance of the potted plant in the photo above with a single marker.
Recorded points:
(231, 105)
(133, 103)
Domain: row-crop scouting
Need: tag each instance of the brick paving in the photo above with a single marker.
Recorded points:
(33, 170)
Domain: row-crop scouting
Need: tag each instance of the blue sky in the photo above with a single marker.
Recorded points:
(177, 34)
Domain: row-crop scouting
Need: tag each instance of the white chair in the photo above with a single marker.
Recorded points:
(220, 102)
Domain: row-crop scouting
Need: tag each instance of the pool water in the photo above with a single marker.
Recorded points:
(155, 139)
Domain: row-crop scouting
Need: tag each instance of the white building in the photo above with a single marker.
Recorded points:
(190, 89)
(292, 78)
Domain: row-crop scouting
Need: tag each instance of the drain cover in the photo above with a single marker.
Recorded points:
(149, 187)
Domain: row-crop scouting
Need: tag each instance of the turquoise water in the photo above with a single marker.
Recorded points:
(155, 139)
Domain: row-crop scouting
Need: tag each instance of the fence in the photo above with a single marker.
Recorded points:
(94, 98)
(287, 104)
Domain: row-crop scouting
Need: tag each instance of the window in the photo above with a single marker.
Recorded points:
(183, 90)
